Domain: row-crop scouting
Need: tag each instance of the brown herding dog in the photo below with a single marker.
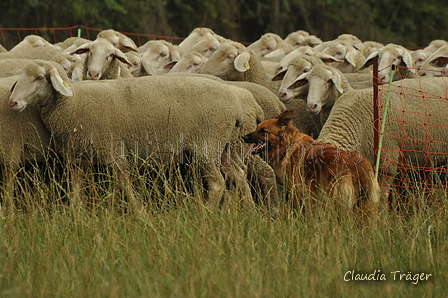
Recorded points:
(306, 166)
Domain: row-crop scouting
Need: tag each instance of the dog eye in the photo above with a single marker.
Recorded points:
(263, 131)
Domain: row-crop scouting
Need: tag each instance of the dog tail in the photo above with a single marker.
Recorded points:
(371, 191)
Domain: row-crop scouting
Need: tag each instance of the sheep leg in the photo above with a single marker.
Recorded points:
(263, 180)
(214, 181)
(234, 172)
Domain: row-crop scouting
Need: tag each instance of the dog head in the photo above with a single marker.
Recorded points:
(271, 132)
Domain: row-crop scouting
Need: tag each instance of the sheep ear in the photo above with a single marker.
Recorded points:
(369, 60)
(58, 84)
(170, 65)
(352, 56)
(13, 86)
(328, 58)
(148, 68)
(407, 59)
(127, 44)
(175, 54)
(280, 76)
(337, 81)
(84, 48)
(241, 62)
(299, 82)
(122, 57)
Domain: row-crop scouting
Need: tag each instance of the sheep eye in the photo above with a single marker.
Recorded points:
(195, 64)
(163, 54)
(297, 44)
(438, 63)
(39, 77)
(269, 48)
(297, 84)
(306, 70)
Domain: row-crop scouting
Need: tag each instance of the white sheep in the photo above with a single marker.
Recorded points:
(369, 46)
(324, 84)
(293, 41)
(33, 41)
(435, 45)
(436, 64)
(190, 118)
(234, 62)
(104, 61)
(283, 64)
(419, 57)
(392, 54)
(119, 40)
(72, 64)
(190, 62)
(265, 44)
(350, 124)
(139, 67)
(196, 35)
(24, 139)
(45, 53)
(351, 40)
(295, 67)
(343, 56)
(159, 52)
(206, 46)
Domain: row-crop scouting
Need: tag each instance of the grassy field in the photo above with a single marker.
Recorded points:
(173, 245)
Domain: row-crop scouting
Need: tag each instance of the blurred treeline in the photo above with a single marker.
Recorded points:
(410, 23)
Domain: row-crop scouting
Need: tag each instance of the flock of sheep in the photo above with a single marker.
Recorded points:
(111, 102)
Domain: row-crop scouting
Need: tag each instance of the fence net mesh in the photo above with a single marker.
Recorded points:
(413, 169)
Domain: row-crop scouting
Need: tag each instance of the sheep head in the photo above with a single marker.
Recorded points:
(229, 62)
(100, 54)
(36, 84)
(389, 55)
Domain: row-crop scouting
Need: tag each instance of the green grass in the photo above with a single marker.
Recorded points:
(176, 246)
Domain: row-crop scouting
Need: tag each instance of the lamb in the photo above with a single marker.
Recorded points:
(159, 52)
(392, 54)
(32, 41)
(436, 64)
(104, 61)
(349, 125)
(24, 137)
(267, 43)
(343, 56)
(119, 40)
(136, 119)
(296, 67)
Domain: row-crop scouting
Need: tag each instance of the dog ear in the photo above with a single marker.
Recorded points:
(285, 118)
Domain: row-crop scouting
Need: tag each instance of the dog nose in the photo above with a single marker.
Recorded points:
(246, 138)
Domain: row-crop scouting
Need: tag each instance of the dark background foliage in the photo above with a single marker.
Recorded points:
(410, 23)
